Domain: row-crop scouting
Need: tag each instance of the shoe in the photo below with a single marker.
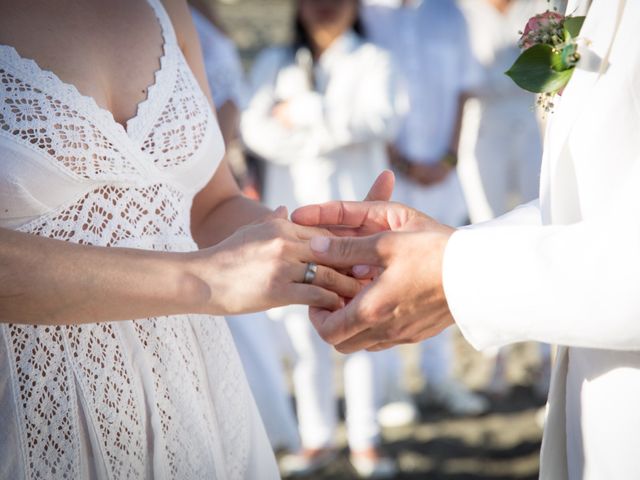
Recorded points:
(367, 467)
(397, 414)
(456, 398)
(306, 462)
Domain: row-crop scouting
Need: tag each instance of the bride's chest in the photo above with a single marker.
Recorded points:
(58, 144)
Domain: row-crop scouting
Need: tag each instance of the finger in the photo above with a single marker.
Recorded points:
(382, 188)
(314, 296)
(366, 272)
(337, 252)
(349, 214)
(308, 232)
(382, 346)
(329, 279)
(280, 212)
(338, 326)
(363, 341)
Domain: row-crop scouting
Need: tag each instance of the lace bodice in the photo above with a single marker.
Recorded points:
(160, 397)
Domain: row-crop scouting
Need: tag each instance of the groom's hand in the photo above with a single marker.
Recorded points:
(406, 303)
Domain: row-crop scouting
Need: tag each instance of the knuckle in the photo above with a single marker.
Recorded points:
(393, 332)
(344, 247)
(384, 244)
(325, 276)
(279, 246)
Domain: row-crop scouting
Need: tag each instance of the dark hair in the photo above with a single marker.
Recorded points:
(301, 38)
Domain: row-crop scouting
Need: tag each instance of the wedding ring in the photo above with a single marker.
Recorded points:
(310, 273)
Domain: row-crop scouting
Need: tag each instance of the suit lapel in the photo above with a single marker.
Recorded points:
(599, 31)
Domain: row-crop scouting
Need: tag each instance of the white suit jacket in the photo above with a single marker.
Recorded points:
(567, 270)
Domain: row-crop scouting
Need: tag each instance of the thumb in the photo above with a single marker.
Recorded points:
(382, 188)
(280, 212)
(349, 251)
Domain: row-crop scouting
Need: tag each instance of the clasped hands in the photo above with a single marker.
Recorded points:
(378, 281)
(397, 253)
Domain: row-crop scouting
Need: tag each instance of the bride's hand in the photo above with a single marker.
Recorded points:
(262, 266)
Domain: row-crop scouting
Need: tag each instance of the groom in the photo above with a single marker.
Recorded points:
(563, 270)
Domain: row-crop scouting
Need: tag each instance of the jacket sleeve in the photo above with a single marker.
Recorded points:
(527, 214)
(574, 285)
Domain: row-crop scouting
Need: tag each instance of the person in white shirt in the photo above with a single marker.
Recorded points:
(255, 335)
(430, 45)
(322, 112)
(500, 143)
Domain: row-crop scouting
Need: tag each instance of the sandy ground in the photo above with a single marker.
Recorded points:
(503, 444)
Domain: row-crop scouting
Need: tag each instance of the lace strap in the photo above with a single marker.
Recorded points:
(168, 33)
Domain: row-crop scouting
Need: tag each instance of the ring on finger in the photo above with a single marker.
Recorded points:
(310, 273)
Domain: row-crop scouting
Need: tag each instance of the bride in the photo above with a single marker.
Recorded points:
(107, 140)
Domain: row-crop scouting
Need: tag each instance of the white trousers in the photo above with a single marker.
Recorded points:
(500, 160)
(314, 383)
(445, 203)
(257, 343)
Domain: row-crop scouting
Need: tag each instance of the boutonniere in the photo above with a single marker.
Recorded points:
(550, 54)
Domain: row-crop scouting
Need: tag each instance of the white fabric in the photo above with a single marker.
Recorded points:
(337, 146)
(500, 145)
(314, 385)
(221, 62)
(150, 398)
(574, 281)
(420, 36)
(257, 342)
(430, 45)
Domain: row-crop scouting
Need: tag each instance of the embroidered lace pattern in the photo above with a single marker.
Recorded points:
(184, 381)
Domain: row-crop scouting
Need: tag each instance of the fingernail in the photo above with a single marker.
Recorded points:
(361, 270)
(320, 244)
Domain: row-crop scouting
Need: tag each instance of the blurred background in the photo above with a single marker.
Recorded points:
(315, 98)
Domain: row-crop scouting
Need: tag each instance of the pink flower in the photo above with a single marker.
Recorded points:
(543, 28)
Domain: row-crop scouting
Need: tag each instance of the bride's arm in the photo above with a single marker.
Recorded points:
(219, 209)
(51, 282)
(45, 281)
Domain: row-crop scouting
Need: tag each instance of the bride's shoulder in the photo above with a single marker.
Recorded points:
(182, 21)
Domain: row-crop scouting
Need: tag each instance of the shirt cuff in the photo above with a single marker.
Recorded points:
(464, 282)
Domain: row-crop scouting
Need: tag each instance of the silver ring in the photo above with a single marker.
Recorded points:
(310, 273)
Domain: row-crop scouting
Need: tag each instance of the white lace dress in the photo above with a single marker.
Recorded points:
(151, 398)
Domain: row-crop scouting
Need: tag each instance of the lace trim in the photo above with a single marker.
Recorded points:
(38, 367)
(112, 215)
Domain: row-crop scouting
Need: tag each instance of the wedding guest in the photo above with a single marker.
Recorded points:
(500, 146)
(254, 334)
(123, 237)
(430, 44)
(322, 112)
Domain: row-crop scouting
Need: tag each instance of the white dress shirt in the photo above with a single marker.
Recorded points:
(429, 42)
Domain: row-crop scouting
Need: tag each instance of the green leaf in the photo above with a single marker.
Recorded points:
(572, 27)
(539, 69)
